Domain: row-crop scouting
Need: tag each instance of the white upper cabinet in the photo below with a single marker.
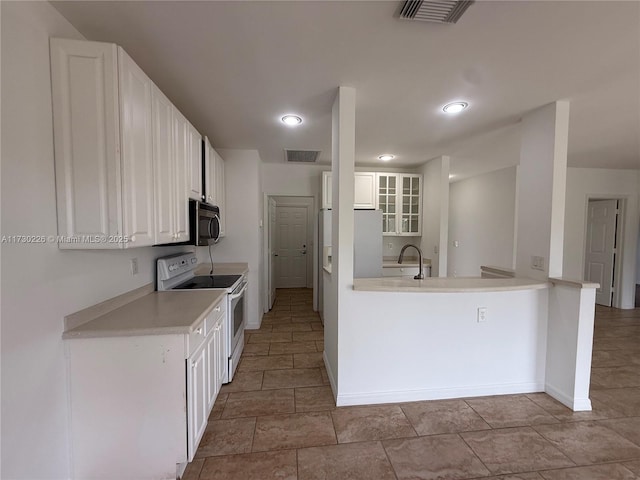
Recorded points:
(194, 140)
(364, 193)
(137, 152)
(127, 160)
(400, 199)
(215, 191)
(163, 154)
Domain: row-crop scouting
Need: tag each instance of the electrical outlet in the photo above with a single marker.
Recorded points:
(456, 243)
(537, 263)
(482, 314)
(435, 249)
(390, 245)
(134, 266)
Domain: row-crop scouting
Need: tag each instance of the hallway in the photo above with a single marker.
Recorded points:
(278, 419)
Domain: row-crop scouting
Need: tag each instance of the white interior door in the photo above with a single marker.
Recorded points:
(272, 251)
(291, 247)
(600, 249)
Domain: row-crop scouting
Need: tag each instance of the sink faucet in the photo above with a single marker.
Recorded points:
(420, 275)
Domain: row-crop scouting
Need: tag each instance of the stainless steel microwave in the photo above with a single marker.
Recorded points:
(204, 223)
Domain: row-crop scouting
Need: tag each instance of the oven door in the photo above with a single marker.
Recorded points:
(237, 320)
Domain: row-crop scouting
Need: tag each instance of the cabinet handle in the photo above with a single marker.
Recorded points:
(133, 238)
(199, 331)
(218, 308)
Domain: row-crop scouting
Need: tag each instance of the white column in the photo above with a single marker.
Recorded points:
(435, 214)
(338, 285)
(541, 191)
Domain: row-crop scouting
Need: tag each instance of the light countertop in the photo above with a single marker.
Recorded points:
(158, 313)
(446, 285)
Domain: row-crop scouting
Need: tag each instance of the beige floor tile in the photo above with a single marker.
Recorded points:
(434, 457)
(633, 466)
(252, 349)
(609, 358)
(293, 347)
(589, 442)
(624, 400)
(369, 423)
(443, 416)
(317, 326)
(517, 476)
(292, 327)
(226, 437)
(299, 377)
(629, 428)
(252, 404)
(193, 470)
(308, 360)
(314, 399)
(304, 317)
(325, 376)
(612, 471)
(616, 377)
(320, 345)
(243, 382)
(265, 362)
(510, 411)
(308, 336)
(280, 319)
(352, 461)
(513, 450)
(277, 432)
(218, 406)
(565, 414)
(280, 465)
(270, 337)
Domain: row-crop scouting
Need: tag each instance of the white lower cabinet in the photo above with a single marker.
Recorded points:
(143, 400)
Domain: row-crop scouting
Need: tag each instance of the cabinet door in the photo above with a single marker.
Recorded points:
(137, 152)
(221, 350)
(212, 370)
(209, 172)
(410, 199)
(221, 193)
(364, 193)
(326, 189)
(87, 140)
(163, 168)
(387, 197)
(181, 176)
(195, 163)
(197, 399)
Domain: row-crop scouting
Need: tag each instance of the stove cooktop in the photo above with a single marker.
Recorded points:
(208, 281)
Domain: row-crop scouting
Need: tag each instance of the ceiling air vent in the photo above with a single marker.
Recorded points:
(301, 156)
(440, 11)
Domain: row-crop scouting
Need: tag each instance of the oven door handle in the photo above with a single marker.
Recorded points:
(233, 296)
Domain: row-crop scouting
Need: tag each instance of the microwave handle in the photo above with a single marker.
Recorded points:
(213, 219)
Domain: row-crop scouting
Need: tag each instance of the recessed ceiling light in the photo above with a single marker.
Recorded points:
(455, 107)
(386, 157)
(291, 120)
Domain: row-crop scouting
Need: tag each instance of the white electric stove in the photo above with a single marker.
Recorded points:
(177, 272)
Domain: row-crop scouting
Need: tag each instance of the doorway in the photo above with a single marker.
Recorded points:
(288, 243)
(602, 249)
(291, 247)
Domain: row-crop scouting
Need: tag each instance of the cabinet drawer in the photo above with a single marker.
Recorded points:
(219, 311)
(196, 338)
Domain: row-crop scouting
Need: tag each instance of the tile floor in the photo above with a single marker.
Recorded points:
(278, 419)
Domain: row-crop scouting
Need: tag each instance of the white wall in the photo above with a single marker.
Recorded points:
(396, 245)
(481, 219)
(585, 183)
(435, 214)
(541, 190)
(40, 283)
(293, 179)
(243, 240)
(422, 346)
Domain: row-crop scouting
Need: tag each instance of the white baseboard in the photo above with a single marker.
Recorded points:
(575, 404)
(366, 398)
(332, 380)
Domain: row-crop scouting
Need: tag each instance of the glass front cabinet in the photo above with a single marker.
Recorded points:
(400, 199)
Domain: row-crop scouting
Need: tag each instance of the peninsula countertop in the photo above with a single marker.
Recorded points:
(447, 284)
(158, 313)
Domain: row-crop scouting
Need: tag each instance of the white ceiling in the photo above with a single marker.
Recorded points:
(234, 68)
